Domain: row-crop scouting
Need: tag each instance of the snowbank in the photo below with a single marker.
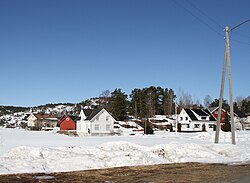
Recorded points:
(106, 152)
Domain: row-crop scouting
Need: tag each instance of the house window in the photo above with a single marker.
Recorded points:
(107, 118)
(188, 126)
(107, 127)
(186, 118)
(197, 125)
(97, 118)
(210, 126)
(181, 118)
(216, 112)
(97, 127)
(203, 117)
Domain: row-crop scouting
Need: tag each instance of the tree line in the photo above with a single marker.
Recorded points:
(143, 103)
(149, 101)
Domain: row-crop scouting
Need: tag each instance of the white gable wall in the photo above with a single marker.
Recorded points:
(31, 120)
(102, 123)
(183, 117)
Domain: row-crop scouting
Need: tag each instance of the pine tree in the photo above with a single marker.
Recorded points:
(118, 105)
(227, 126)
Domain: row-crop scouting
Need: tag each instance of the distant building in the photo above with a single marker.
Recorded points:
(37, 121)
(195, 119)
(68, 122)
(95, 121)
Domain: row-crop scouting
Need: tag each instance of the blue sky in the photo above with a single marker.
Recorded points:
(68, 51)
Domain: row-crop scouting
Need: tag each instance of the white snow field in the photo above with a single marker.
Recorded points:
(30, 151)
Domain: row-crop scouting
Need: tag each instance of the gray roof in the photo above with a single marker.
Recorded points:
(91, 113)
(191, 114)
(200, 112)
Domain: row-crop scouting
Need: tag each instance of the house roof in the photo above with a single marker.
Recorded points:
(45, 116)
(74, 118)
(240, 114)
(215, 108)
(92, 114)
(211, 118)
(200, 112)
(191, 114)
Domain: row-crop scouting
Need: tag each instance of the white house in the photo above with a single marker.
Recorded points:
(194, 119)
(95, 122)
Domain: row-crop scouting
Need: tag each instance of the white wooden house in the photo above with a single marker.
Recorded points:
(194, 119)
(95, 122)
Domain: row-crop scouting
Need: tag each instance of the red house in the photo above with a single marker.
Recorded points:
(68, 122)
(215, 112)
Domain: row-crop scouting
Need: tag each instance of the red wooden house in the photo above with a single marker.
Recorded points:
(68, 122)
(215, 112)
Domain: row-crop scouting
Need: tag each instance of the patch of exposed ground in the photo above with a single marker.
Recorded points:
(167, 173)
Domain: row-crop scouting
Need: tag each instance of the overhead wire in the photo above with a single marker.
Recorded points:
(199, 19)
(211, 19)
(203, 13)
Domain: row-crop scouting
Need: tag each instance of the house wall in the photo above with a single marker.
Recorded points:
(83, 126)
(188, 125)
(223, 114)
(67, 124)
(102, 123)
(31, 120)
(183, 117)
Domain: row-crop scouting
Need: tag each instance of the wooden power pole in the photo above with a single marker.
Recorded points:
(227, 59)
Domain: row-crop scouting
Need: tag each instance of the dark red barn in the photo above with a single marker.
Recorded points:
(68, 122)
(215, 112)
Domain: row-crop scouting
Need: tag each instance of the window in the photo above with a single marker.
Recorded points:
(181, 118)
(97, 127)
(97, 118)
(107, 127)
(203, 117)
(107, 118)
(186, 118)
(210, 126)
(187, 125)
(197, 125)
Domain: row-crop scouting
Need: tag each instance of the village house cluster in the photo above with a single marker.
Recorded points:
(89, 122)
(98, 121)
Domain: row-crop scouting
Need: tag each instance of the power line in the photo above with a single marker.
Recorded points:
(199, 19)
(241, 42)
(203, 13)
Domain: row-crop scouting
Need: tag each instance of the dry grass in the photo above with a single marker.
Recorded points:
(167, 173)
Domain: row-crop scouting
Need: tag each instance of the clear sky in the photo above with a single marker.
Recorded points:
(55, 51)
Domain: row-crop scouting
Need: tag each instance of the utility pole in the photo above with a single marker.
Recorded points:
(227, 58)
(176, 117)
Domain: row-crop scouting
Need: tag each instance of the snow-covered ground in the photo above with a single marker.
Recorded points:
(29, 151)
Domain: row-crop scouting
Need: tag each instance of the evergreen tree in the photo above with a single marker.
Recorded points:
(225, 105)
(118, 105)
(147, 127)
(227, 126)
